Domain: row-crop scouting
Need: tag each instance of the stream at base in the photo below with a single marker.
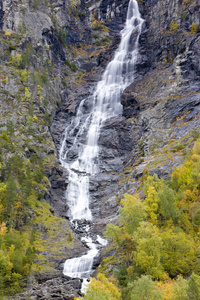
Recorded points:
(79, 149)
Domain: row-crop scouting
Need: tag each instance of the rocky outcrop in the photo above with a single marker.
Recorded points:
(55, 288)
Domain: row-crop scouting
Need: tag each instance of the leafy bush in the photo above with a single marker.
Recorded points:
(194, 28)
(174, 27)
(62, 34)
(72, 66)
(96, 25)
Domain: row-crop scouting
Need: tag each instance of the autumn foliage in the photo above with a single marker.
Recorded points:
(156, 241)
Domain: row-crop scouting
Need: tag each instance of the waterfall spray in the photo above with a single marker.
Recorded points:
(81, 136)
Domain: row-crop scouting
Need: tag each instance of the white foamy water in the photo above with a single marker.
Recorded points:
(79, 149)
(81, 266)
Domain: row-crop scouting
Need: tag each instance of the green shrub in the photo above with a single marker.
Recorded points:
(24, 75)
(174, 27)
(98, 43)
(72, 66)
(62, 34)
(194, 28)
(96, 25)
(40, 78)
(105, 40)
(195, 134)
(36, 3)
(11, 47)
(95, 35)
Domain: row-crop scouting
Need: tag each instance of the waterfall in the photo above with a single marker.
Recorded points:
(79, 149)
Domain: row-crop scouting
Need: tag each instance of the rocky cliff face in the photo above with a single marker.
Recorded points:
(64, 47)
(164, 99)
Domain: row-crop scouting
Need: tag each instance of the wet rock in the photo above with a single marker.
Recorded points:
(72, 154)
(114, 122)
(75, 283)
(133, 38)
(130, 104)
(96, 262)
(109, 138)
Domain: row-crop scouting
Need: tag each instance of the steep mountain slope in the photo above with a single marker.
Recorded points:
(164, 101)
(52, 54)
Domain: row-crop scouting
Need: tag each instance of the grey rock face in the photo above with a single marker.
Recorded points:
(1, 14)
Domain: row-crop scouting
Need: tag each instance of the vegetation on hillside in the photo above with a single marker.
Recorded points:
(22, 183)
(26, 155)
(156, 242)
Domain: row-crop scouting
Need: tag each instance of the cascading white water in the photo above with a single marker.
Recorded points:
(79, 149)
